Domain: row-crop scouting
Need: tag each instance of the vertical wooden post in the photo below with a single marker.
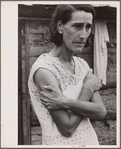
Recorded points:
(26, 101)
(20, 117)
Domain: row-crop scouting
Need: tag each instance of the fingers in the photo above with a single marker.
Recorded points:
(92, 78)
(44, 94)
(100, 81)
(47, 105)
(47, 94)
(45, 102)
(90, 71)
(43, 99)
(99, 85)
(49, 88)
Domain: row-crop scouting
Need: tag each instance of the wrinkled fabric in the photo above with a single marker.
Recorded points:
(101, 37)
(70, 85)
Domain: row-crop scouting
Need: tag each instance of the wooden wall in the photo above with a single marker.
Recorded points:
(35, 41)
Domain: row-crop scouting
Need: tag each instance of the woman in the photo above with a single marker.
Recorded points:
(63, 90)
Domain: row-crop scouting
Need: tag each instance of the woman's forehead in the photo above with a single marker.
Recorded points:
(81, 16)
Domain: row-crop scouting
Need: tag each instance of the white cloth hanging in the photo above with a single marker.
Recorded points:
(101, 37)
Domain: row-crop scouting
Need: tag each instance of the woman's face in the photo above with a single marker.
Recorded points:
(77, 30)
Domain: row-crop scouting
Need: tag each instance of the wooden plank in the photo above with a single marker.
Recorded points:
(109, 85)
(111, 115)
(36, 130)
(45, 11)
(39, 27)
(36, 135)
(37, 51)
(26, 100)
(38, 19)
(20, 117)
(36, 142)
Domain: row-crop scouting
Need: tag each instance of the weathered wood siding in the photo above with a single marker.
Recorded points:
(39, 43)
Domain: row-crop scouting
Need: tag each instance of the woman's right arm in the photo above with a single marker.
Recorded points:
(66, 122)
(94, 109)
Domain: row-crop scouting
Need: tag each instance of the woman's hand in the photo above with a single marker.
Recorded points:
(51, 99)
(65, 122)
(92, 82)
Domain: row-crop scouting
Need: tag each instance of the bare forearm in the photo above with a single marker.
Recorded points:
(85, 94)
(86, 109)
(66, 122)
(93, 110)
(74, 119)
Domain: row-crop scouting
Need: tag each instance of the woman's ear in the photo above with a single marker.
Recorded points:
(60, 27)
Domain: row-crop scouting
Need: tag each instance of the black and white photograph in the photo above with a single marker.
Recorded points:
(65, 88)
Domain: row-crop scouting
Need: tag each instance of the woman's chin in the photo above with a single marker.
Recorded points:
(77, 51)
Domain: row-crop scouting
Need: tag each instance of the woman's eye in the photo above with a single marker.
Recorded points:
(78, 26)
(89, 26)
(81, 26)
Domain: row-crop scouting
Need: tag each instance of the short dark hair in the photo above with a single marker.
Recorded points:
(64, 13)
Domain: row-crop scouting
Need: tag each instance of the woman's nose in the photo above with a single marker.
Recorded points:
(83, 34)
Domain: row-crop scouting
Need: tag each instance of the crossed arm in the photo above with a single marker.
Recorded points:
(60, 106)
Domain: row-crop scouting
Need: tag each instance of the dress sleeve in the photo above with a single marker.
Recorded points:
(85, 64)
(43, 64)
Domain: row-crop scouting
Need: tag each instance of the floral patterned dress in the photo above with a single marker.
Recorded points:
(70, 85)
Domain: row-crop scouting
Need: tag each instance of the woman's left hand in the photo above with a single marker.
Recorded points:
(51, 99)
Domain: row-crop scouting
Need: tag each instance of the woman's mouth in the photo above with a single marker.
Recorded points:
(80, 43)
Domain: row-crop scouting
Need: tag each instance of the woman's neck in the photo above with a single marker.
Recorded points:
(65, 57)
(62, 53)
